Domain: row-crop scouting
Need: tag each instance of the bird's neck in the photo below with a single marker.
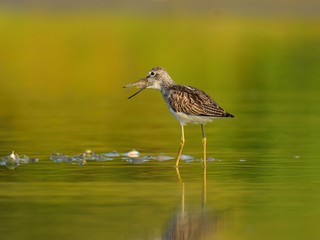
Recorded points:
(165, 87)
(167, 83)
(165, 90)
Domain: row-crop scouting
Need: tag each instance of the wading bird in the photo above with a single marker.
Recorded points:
(187, 104)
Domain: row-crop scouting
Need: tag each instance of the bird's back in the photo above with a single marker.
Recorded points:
(192, 101)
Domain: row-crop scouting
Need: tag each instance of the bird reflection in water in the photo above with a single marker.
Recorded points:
(194, 224)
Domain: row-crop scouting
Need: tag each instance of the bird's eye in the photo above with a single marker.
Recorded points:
(152, 73)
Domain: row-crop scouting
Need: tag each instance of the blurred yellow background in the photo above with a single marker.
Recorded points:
(62, 68)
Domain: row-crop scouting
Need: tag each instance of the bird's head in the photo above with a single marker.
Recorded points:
(157, 78)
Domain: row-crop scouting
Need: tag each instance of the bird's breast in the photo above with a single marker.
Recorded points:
(193, 119)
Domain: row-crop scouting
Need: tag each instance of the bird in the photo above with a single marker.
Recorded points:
(188, 105)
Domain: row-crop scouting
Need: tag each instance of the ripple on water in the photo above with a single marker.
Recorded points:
(14, 160)
(134, 157)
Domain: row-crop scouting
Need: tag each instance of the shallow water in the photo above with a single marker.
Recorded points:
(263, 177)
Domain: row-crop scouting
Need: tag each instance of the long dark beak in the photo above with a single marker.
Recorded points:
(137, 92)
(142, 84)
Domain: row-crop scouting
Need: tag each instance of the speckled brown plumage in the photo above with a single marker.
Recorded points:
(192, 101)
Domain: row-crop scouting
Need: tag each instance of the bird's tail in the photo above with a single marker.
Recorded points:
(229, 115)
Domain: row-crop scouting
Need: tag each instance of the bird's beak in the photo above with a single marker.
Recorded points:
(142, 84)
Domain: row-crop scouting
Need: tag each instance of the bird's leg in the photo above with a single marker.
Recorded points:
(204, 145)
(204, 190)
(181, 146)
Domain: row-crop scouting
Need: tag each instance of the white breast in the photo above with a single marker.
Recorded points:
(185, 119)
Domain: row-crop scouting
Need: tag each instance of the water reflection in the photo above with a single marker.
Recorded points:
(192, 223)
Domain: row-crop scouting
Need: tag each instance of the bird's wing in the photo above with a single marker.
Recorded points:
(193, 101)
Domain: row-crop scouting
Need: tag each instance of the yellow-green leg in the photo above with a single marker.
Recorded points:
(204, 190)
(204, 145)
(181, 146)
